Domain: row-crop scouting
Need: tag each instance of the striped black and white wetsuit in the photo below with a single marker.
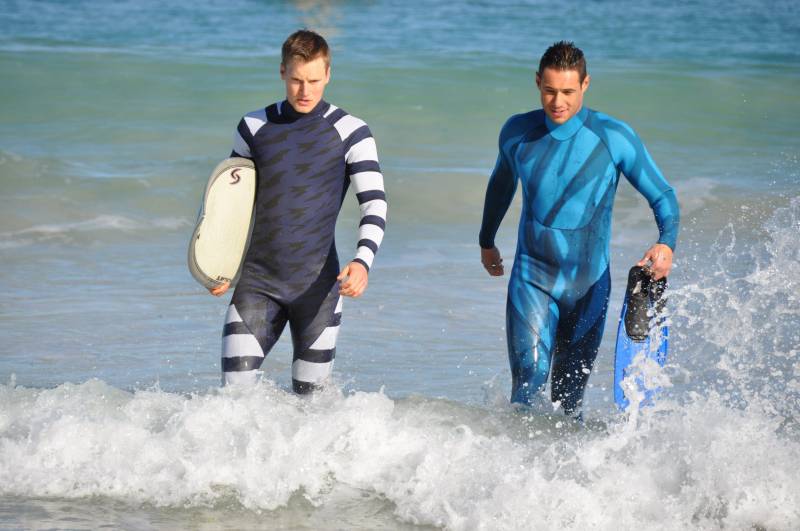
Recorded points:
(305, 163)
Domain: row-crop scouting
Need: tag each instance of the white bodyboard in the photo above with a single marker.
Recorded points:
(221, 236)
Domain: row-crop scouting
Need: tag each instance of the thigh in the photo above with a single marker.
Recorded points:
(531, 320)
(253, 324)
(578, 338)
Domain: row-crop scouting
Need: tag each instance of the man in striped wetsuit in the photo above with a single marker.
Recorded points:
(568, 160)
(306, 152)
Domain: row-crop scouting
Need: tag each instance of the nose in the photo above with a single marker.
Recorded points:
(299, 88)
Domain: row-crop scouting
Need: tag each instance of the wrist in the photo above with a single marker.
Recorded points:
(665, 244)
(360, 263)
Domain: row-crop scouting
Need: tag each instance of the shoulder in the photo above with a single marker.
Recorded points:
(255, 120)
(610, 129)
(358, 144)
(519, 124)
(350, 128)
(620, 139)
(260, 113)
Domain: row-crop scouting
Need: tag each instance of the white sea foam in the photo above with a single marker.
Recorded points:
(701, 465)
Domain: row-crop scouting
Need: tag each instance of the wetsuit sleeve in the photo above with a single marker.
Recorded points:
(365, 175)
(241, 141)
(638, 166)
(499, 193)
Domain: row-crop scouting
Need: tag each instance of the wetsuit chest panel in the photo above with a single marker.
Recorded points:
(565, 181)
(301, 172)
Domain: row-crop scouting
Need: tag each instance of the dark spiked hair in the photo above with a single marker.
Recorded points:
(306, 45)
(564, 55)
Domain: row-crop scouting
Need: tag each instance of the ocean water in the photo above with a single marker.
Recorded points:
(111, 414)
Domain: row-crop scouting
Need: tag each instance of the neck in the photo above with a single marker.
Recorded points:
(568, 128)
(291, 113)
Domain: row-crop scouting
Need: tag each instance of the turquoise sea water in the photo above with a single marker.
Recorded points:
(111, 117)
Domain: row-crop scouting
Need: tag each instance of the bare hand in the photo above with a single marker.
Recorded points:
(220, 290)
(491, 260)
(658, 259)
(354, 279)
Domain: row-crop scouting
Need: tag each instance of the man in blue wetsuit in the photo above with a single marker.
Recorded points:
(568, 159)
(306, 152)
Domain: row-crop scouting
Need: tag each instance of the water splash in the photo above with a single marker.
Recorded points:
(740, 323)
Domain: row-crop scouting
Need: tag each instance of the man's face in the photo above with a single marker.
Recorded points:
(305, 82)
(561, 92)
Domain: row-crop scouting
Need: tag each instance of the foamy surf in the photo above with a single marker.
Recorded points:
(432, 462)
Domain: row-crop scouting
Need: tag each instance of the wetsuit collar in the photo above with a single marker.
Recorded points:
(568, 128)
(290, 114)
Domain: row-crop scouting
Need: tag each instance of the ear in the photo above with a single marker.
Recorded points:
(539, 80)
(586, 81)
(283, 71)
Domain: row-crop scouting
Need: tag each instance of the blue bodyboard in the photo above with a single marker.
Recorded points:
(641, 323)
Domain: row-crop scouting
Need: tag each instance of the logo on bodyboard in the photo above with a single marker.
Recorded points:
(235, 178)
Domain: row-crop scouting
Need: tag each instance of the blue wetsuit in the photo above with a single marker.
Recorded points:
(305, 163)
(559, 285)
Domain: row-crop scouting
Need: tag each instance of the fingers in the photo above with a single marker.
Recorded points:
(658, 260)
(492, 262)
(353, 289)
(220, 290)
(495, 270)
(659, 269)
(653, 265)
(354, 279)
(646, 263)
(656, 266)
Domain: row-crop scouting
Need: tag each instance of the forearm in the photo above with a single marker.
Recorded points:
(373, 208)
(667, 214)
(643, 173)
(499, 193)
